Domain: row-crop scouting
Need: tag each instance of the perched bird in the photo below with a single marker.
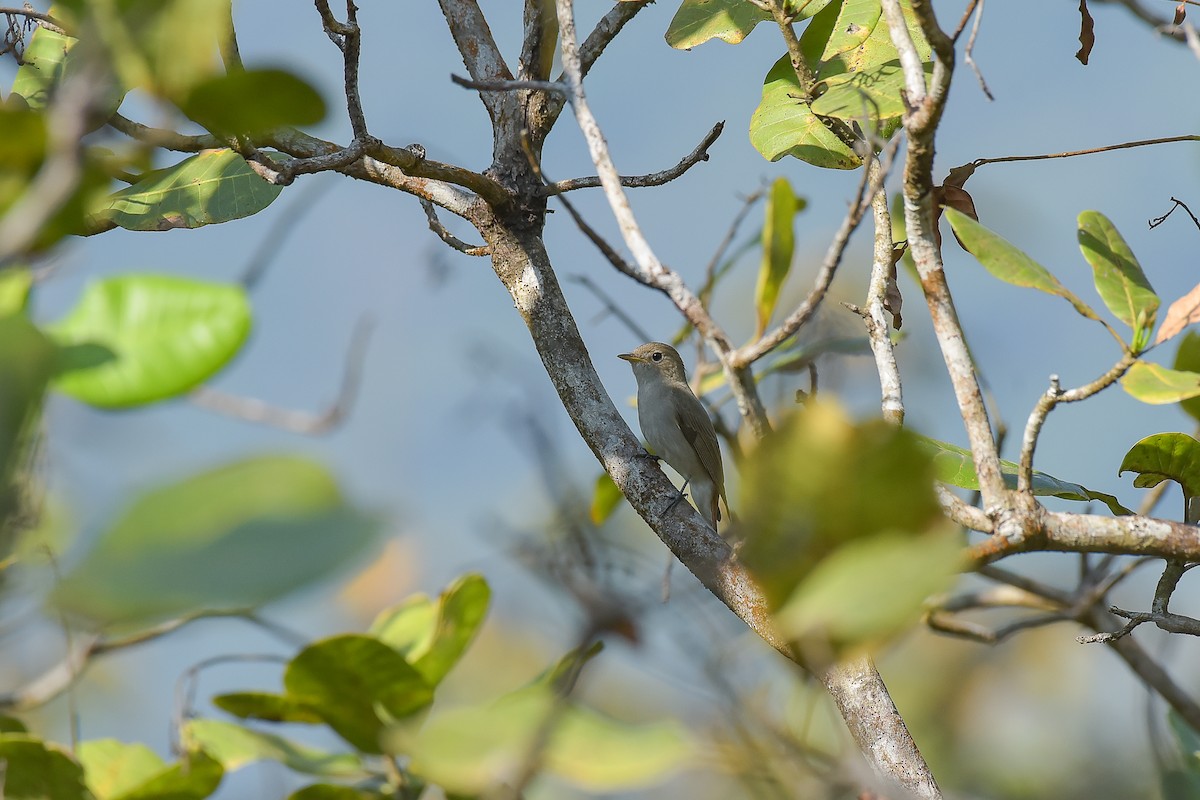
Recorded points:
(676, 426)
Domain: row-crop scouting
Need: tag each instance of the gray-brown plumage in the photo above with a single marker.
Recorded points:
(676, 425)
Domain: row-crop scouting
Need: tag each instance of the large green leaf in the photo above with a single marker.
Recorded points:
(337, 791)
(778, 246)
(235, 537)
(253, 102)
(1007, 262)
(113, 768)
(266, 706)
(208, 188)
(1187, 359)
(468, 750)
(163, 336)
(1119, 278)
(856, 21)
(1165, 456)
(954, 465)
(1157, 385)
(42, 66)
(235, 746)
(356, 684)
(194, 778)
(784, 125)
(433, 636)
(697, 21)
(34, 770)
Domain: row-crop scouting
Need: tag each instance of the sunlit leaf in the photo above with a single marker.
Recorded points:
(1008, 263)
(165, 335)
(254, 101)
(235, 746)
(605, 499)
(34, 770)
(265, 706)
(954, 465)
(778, 246)
(1157, 385)
(235, 537)
(856, 21)
(785, 125)
(208, 188)
(697, 21)
(1165, 456)
(42, 66)
(1187, 359)
(467, 750)
(356, 684)
(1119, 278)
(194, 778)
(112, 768)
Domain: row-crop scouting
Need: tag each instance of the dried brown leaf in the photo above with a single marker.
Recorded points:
(1180, 13)
(1087, 33)
(1183, 312)
(952, 196)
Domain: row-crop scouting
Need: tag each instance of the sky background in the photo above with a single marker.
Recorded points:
(431, 441)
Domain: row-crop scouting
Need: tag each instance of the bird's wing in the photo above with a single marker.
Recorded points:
(697, 428)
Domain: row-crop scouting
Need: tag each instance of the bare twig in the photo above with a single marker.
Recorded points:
(970, 48)
(253, 410)
(508, 86)
(654, 178)
(883, 270)
(979, 162)
(1154, 223)
(446, 236)
(166, 139)
(44, 20)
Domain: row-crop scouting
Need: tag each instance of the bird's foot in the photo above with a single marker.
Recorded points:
(675, 502)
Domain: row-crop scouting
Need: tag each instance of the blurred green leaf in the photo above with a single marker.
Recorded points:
(23, 145)
(821, 481)
(1120, 281)
(870, 589)
(467, 750)
(783, 125)
(1187, 359)
(356, 684)
(1009, 264)
(194, 778)
(334, 791)
(1157, 385)
(166, 334)
(955, 466)
(433, 636)
(265, 706)
(778, 246)
(254, 101)
(11, 725)
(563, 672)
(234, 537)
(15, 283)
(1165, 456)
(34, 770)
(605, 499)
(208, 188)
(42, 66)
(112, 768)
(235, 746)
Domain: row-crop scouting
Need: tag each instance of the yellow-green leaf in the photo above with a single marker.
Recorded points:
(1165, 456)
(1187, 359)
(1120, 281)
(784, 125)
(605, 499)
(778, 248)
(1157, 385)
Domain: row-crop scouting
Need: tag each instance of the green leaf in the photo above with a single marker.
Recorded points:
(166, 336)
(1182, 782)
(254, 101)
(34, 770)
(335, 791)
(785, 125)
(1119, 278)
(231, 538)
(605, 499)
(112, 768)
(235, 746)
(697, 21)
(265, 706)
(42, 67)
(856, 21)
(26, 363)
(955, 466)
(870, 589)
(821, 481)
(162, 46)
(408, 628)
(467, 750)
(15, 284)
(1165, 456)
(1187, 359)
(1157, 385)
(1009, 264)
(194, 778)
(208, 188)
(561, 674)
(778, 246)
(356, 684)
(874, 94)
(11, 725)
(462, 609)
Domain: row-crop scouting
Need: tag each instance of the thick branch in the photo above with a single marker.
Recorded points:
(1089, 533)
(875, 315)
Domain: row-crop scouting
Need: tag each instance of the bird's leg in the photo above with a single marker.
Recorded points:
(647, 454)
(675, 502)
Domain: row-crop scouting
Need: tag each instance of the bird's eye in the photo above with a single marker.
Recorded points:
(656, 356)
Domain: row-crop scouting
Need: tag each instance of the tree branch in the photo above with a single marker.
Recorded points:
(446, 236)
(1090, 533)
(479, 51)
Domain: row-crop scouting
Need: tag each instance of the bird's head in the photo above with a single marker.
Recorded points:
(655, 359)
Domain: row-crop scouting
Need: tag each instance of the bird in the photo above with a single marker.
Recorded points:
(676, 425)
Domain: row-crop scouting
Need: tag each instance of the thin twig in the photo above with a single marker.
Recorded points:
(446, 236)
(979, 162)
(1154, 223)
(654, 178)
(508, 86)
(968, 52)
(46, 21)
(883, 271)
(303, 422)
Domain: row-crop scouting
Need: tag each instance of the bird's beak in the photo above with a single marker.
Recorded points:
(631, 358)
